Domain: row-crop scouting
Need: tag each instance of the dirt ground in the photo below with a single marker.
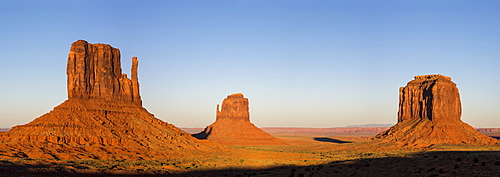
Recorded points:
(309, 154)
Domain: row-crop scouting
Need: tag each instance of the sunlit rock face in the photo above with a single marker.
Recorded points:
(235, 106)
(102, 119)
(233, 127)
(429, 113)
(94, 71)
(433, 97)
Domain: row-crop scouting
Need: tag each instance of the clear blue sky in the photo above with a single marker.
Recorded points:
(300, 63)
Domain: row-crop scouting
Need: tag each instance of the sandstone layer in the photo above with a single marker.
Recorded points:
(102, 118)
(429, 113)
(232, 125)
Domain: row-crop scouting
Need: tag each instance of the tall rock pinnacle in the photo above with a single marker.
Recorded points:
(136, 97)
(429, 113)
(94, 72)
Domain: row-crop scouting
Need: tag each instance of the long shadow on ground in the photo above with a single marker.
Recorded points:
(330, 140)
(496, 137)
(438, 163)
(443, 163)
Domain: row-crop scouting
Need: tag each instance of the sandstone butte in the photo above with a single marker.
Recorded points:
(102, 118)
(232, 125)
(429, 113)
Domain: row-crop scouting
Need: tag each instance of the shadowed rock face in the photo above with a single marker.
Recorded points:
(102, 118)
(429, 113)
(233, 127)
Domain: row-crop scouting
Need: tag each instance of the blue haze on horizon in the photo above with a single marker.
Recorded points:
(300, 63)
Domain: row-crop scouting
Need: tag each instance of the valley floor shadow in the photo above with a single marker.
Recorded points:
(454, 163)
(330, 140)
(436, 163)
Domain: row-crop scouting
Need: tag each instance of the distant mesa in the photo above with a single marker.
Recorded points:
(371, 125)
(232, 125)
(429, 113)
(103, 117)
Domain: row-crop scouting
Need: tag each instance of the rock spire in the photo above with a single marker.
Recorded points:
(429, 113)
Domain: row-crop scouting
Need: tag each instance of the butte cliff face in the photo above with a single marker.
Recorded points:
(232, 125)
(102, 118)
(94, 71)
(429, 113)
(235, 106)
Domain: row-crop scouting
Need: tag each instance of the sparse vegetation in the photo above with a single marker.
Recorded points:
(360, 158)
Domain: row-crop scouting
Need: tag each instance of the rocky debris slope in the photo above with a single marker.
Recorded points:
(232, 125)
(429, 113)
(102, 118)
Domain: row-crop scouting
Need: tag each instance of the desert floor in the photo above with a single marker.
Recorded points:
(309, 154)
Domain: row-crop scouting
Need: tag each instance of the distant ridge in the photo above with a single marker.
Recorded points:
(273, 130)
(372, 125)
(4, 129)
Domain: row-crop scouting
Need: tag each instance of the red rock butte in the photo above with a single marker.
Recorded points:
(429, 113)
(103, 117)
(232, 125)
(94, 72)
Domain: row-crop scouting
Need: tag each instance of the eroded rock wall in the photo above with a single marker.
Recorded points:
(433, 97)
(235, 106)
(94, 71)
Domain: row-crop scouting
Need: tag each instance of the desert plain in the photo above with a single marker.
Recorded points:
(311, 152)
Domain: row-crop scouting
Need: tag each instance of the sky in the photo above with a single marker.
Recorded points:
(300, 63)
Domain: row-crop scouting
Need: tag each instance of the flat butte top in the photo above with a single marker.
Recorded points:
(431, 77)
